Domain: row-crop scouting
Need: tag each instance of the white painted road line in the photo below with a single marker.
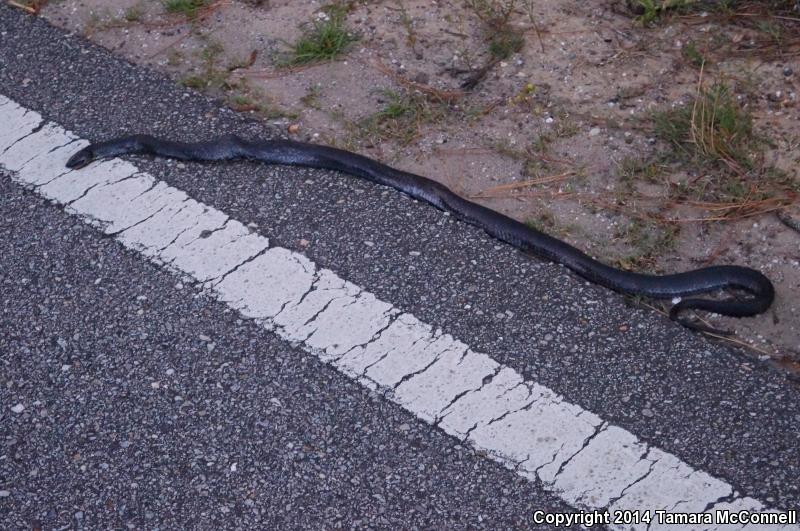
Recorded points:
(521, 424)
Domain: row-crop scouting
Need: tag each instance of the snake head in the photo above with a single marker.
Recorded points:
(81, 158)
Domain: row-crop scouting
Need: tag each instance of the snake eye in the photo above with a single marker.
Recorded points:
(80, 159)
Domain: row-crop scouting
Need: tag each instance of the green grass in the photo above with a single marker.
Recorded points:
(211, 53)
(647, 241)
(243, 97)
(713, 137)
(400, 117)
(134, 14)
(632, 169)
(196, 82)
(326, 40)
(543, 222)
(770, 17)
(713, 129)
(188, 8)
(546, 222)
(533, 155)
(693, 55)
(210, 76)
(503, 44)
(649, 11)
(408, 25)
(773, 30)
(496, 16)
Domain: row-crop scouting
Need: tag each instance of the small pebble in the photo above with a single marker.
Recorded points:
(19, 408)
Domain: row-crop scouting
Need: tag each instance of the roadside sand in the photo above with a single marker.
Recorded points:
(548, 136)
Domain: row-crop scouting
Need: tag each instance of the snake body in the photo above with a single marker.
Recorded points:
(759, 290)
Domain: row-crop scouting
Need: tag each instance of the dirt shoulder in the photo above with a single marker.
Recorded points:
(658, 141)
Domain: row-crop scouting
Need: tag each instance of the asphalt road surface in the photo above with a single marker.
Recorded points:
(232, 345)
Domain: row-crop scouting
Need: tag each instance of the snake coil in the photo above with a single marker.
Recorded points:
(699, 281)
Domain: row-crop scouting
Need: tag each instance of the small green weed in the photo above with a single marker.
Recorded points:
(650, 10)
(134, 13)
(647, 240)
(633, 168)
(544, 222)
(311, 97)
(693, 55)
(400, 118)
(408, 24)
(188, 8)
(196, 82)
(211, 76)
(496, 16)
(327, 39)
(504, 44)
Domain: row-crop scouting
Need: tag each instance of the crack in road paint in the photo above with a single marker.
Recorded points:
(392, 350)
(393, 314)
(484, 382)
(136, 224)
(598, 429)
(35, 130)
(214, 282)
(643, 457)
(409, 376)
(183, 231)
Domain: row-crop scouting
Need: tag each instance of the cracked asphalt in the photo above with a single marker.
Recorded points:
(148, 406)
(151, 406)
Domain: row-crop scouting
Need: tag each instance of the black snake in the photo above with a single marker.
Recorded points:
(706, 280)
